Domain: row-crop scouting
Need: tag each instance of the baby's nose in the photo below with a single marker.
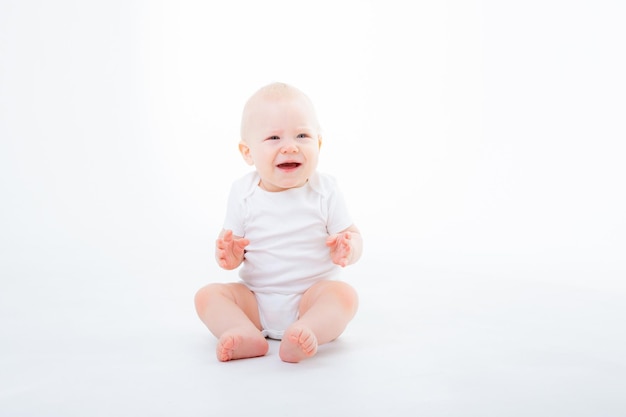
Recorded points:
(289, 148)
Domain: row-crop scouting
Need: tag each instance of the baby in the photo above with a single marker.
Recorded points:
(288, 227)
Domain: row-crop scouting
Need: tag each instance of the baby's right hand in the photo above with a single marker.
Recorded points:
(230, 250)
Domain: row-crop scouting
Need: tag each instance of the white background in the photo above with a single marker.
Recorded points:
(481, 143)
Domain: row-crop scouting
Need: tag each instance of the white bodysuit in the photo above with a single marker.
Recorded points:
(287, 251)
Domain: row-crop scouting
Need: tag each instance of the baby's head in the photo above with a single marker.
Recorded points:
(280, 136)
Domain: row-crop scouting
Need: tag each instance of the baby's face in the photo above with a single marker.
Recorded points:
(281, 139)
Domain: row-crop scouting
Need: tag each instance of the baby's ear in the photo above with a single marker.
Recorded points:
(245, 152)
(319, 141)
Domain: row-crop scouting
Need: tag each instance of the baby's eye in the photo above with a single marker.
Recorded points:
(273, 138)
(303, 135)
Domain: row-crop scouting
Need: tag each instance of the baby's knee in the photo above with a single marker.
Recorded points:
(205, 294)
(348, 296)
(344, 293)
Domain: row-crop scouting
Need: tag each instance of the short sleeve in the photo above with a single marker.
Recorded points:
(234, 213)
(236, 207)
(338, 216)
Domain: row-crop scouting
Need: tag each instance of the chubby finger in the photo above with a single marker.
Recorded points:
(243, 242)
(228, 235)
(342, 262)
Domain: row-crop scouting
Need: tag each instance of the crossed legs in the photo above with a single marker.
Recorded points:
(230, 311)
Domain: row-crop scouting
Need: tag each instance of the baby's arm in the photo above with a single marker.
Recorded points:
(346, 246)
(229, 249)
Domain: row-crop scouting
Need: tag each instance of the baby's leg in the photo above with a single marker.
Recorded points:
(231, 313)
(325, 310)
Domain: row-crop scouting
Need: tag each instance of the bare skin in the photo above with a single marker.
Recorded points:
(231, 314)
(280, 137)
(325, 311)
(230, 311)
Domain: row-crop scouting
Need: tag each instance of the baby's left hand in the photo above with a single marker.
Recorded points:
(340, 248)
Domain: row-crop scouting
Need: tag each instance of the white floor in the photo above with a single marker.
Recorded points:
(452, 342)
(480, 146)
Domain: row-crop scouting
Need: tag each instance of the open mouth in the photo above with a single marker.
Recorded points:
(289, 165)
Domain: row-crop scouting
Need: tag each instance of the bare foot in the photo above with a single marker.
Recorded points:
(232, 345)
(298, 343)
